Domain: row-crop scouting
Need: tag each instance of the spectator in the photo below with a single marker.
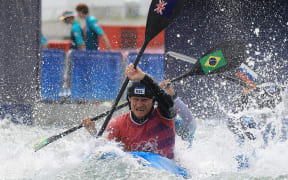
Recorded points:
(93, 29)
(76, 36)
(44, 42)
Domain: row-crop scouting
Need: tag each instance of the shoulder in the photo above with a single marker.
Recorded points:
(91, 19)
(123, 116)
(168, 122)
(178, 101)
(119, 120)
(76, 26)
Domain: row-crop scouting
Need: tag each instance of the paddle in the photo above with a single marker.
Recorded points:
(225, 56)
(232, 79)
(160, 14)
(44, 142)
(191, 60)
(182, 57)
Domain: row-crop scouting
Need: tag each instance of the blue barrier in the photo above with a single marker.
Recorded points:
(52, 72)
(152, 64)
(96, 75)
(17, 113)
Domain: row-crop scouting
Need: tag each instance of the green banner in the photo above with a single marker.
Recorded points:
(212, 61)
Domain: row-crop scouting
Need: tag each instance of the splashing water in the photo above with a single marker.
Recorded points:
(78, 155)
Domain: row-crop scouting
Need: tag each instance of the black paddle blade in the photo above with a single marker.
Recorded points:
(223, 57)
(161, 13)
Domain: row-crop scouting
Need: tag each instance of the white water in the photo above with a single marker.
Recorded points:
(212, 155)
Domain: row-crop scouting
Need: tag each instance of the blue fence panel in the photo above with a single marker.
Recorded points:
(17, 113)
(96, 75)
(152, 64)
(52, 72)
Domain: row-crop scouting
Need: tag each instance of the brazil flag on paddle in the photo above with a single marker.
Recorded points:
(212, 61)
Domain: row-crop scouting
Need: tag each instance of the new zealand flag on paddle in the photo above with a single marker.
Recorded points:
(165, 7)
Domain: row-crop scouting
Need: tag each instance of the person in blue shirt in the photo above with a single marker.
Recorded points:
(93, 29)
(185, 123)
(44, 42)
(76, 36)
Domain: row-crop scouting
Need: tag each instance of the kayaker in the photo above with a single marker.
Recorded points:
(265, 95)
(185, 123)
(261, 96)
(145, 127)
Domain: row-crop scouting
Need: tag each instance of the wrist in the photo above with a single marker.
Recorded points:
(142, 75)
(174, 96)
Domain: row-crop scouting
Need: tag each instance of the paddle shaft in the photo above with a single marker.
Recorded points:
(197, 70)
(124, 85)
(221, 76)
(237, 81)
(180, 77)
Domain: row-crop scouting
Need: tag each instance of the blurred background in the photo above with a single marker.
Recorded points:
(112, 12)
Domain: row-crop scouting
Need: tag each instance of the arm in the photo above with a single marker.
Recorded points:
(188, 122)
(78, 36)
(112, 131)
(89, 125)
(165, 101)
(44, 42)
(95, 26)
(184, 112)
(106, 41)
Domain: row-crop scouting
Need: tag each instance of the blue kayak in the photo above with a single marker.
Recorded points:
(159, 162)
(154, 160)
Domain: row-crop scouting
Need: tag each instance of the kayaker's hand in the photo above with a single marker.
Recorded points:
(89, 125)
(168, 87)
(248, 90)
(134, 74)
